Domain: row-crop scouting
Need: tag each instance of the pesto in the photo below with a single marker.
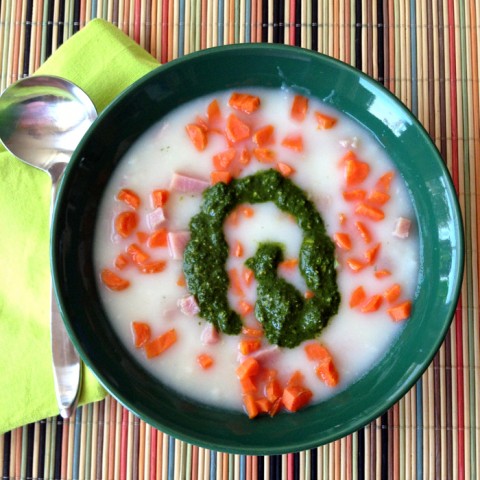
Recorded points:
(287, 317)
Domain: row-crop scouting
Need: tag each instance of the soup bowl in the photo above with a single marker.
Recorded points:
(359, 97)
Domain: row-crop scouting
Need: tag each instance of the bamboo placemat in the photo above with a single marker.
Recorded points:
(427, 53)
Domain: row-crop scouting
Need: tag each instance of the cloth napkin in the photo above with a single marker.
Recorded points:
(103, 61)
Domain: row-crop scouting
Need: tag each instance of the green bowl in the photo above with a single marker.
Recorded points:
(359, 97)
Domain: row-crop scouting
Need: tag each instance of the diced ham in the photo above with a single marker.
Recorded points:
(185, 184)
(188, 305)
(177, 241)
(210, 335)
(402, 227)
(155, 218)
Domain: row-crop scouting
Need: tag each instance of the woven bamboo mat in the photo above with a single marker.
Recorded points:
(427, 53)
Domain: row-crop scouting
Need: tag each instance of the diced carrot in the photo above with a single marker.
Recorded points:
(378, 198)
(159, 197)
(213, 111)
(238, 249)
(129, 197)
(343, 240)
(400, 312)
(218, 176)
(371, 254)
(197, 135)
(392, 293)
(126, 223)
(285, 169)
(235, 282)
(384, 182)
(264, 136)
(155, 266)
(273, 390)
(161, 343)
(382, 273)
(275, 408)
(248, 385)
(247, 212)
(356, 171)
(308, 294)
(327, 372)
(141, 333)
(113, 281)
(369, 211)
(317, 352)
(181, 282)
(121, 261)
(250, 405)
(222, 160)
(289, 263)
(355, 264)
(137, 254)
(247, 276)
(293, 142)
(244, 102)
(364, 231)
(248, 368)
(158, 238)
(372, 304)
(354, 194)
(264, 155)
(245, 157)
(244, 308)
(299, 108)
(142, 237)
(205, 361)
(252, 332)
(236, 130)
(324, 122)
(357, 297)
(247, 346)
(296, 397)
(295, 379)
(202, 123)
(263, 405)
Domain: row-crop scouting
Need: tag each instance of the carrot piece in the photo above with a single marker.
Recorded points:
(400, 312)
(293, 142)
(205, 361)
(244, 308)
(197, 135)
(247, 346)
(236, 130)
(308, 294)
(121, 261)
(285, 169)
(244, 102)
(384, 182)
(222, 160)
(137, 254)
(252, 332)
(141, 333)
(275, 408)
(264, 155)
(296, 397)
(158, 238)
(112, 281)
(126, 223)
(142, 237)
(247, 212)
(247, 276)
(354, 195)
(356, 171)
(364, 231)
(324, 122)
(250, 405)
(289, 263)
(357, 297)
(299, 108)
(235, 282)
(392, 293)
(238, 249)
(369, 211)
(213, 111)
(327, 372)
(181, 282)
(159, 197)
(295, 379)
(263, 136)
(129, 197)
(342, 218)
(155, 266)
(273, 390)
(218, 176)
(355, 264)
(382, 273)
(373, 304)
(343, 240)
(202, 123)
(161, 343)
(378, 198)
(263, 405)
(245, 156)
(248, 385)
(371, 254)
(248, 368)
(317, 352)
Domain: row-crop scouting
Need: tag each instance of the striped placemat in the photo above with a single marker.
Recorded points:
(427, 53)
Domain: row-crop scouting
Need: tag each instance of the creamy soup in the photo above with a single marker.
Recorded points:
(140, 241)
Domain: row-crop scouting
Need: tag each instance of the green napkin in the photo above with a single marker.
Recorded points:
(103, 61)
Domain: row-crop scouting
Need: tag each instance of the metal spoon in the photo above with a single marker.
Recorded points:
(42, 120)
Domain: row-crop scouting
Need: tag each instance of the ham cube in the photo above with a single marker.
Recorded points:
(402, 227)
(210, 335)
(188, 305)
(177, 241)
(155, 218)
(185, 184)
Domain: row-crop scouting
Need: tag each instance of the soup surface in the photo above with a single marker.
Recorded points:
(144, 224)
